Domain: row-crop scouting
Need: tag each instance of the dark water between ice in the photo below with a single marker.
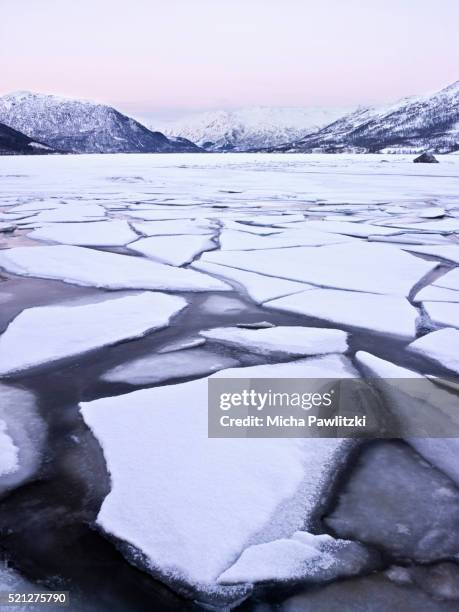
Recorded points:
(45, 525)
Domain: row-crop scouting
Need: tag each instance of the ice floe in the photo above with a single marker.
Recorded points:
(22, 436)
(374, 268)
(46, 334)
(441, 346)
(283, 340)
(443, 313)
(203, 500)
(88, 267)
(100, 233)
(444, 251)
(302, 557)
(231, 240)
(259, 287)
(173, 250)
(359, 230)
(174, 228)
(385, 314)
(431, 293)
(176, 364)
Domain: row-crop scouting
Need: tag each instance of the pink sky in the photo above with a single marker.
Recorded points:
(149, 55)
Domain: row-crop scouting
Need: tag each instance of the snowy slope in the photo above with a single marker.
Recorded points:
(250, 128)
(81, 126)
(13, 142)
(410, 125)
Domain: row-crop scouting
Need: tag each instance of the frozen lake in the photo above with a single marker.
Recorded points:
(113, 269)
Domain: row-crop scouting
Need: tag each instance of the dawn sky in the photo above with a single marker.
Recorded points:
(152, 55)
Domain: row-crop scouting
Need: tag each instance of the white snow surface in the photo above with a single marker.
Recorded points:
(441, 346)
(88, 267)
(260, 288)
(46, 334)
(385, 314)
(173, 250)
(443, 313)
(288, 340)
(372, 268)
(100, 233)
(173, 227)
(202, 501)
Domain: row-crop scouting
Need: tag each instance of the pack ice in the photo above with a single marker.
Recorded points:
(186, 505)
(369, 267)
(49, 333)
(88, 267)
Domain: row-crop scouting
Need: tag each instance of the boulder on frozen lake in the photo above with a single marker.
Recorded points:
(426, 158)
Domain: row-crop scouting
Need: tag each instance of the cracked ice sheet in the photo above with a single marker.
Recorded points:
(100, 233)
(173, 228)
(235, 240)
(443, 313)
(91, 268)
(202, 500)
(369, 267)
(441, 452)
(167, 366)
(173, 250)
(449, 252)
(46, 334)
(436, 294)
(22, 435)
(292, 341)
(67, 213)
(440, 346)
(259, 287)
(359, 230)
(450, 280)
(384, 314)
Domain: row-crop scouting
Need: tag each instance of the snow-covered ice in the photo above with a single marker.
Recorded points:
(46, 334)
(100, 233)
(447, 252)
(167, 366)
(88, 267)
(203, 500)
(22, 436)
(173, 250)
(284, 340)
(302, 557)
(443, 313)
(259, 287)
(174, 227)
(441, 346)
(359, 230)
(231, 240)
(431, 293)
(384, 314)
(374, 268)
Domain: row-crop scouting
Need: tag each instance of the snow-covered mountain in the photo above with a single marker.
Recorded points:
(13, 142)
(82, 127)
(250, 128)
(411, 125)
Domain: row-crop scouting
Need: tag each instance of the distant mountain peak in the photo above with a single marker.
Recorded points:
(251, 127)
(82, 126)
